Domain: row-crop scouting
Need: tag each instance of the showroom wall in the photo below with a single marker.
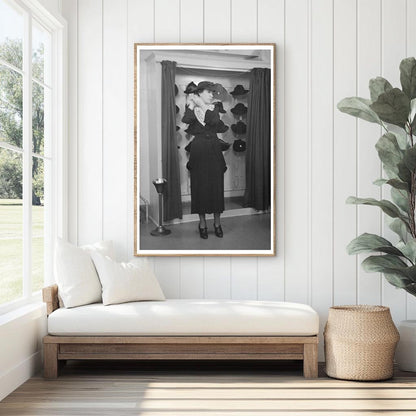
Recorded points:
(326, 50)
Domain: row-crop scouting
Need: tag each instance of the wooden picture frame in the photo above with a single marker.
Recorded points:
(248, 230)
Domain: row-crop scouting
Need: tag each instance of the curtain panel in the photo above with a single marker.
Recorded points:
(258, 166)
(170, 158)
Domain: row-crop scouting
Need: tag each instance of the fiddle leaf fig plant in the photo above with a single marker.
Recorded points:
(394, 109)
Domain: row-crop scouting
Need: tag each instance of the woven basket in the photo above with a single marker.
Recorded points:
(360, 341)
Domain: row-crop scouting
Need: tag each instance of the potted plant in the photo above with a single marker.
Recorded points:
(394, 109)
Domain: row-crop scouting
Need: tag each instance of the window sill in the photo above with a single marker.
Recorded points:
(33, 305)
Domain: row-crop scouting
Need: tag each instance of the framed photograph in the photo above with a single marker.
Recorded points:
(204, 163)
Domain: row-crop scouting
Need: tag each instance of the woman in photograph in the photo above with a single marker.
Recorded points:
(206, 161)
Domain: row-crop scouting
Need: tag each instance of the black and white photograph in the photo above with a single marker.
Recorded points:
(204, 149)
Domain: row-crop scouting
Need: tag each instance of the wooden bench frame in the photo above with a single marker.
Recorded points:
(58, 349)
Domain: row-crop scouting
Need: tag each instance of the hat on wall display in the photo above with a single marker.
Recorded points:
(239, 109)
(239, 128)
(238, 90)
(220, 107)
(239, 145)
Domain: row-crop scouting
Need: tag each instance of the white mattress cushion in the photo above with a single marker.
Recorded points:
(187, 317)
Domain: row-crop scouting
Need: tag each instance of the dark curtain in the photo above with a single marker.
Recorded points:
(258, 178)
(170, 162)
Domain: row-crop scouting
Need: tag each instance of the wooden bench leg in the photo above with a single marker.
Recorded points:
(50, 360)
(310, 360)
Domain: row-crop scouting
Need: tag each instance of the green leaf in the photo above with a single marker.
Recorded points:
(400, 198)
(397, 280)
(400, 228)
(408, 249)
(395, 270)
(366, 243)
(398, 184)
(408, 77)
(389, 151)
(380, 182)
(381, 263)
(392, 107)
(388, 207)
(359, 107)
(378, 86)
(401, 137)
(410, 158)
(404, 173)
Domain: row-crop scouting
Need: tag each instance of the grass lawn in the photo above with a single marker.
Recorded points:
(11, 249)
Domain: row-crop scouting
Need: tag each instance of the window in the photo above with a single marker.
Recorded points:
(31, 141)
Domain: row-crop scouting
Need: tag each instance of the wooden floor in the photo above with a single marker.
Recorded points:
(192, 389)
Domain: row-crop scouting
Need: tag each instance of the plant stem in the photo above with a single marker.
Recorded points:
(412, 195)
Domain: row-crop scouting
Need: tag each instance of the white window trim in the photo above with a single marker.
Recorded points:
(59, 143)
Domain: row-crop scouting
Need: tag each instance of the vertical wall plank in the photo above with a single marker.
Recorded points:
(192, 268)
(90, 129)
(140, 30)
(244, 29)
(271, 29)
(393, 51)
(244, 278)
(192, 277)
(217, 278)
(411, 51)
(368, 162)
(296, 152)
(70, 11)
(167, 16)
(345, 151)
(191, 21)
(115, 52)
(217, 28)
(217, 25)
(168, 272)
(167, 29)
(321, 166)
(243, 21)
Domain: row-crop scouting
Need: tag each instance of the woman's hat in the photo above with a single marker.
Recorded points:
(239, 145)
(221, 127)
(218, 91)
(190, 88)
(220, 107)
(239, 109)
(239, 128)
(239, 90)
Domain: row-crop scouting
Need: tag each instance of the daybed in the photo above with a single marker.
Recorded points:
(181, 329)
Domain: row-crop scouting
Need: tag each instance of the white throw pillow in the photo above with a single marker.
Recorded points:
(126, 282)
(75, 274)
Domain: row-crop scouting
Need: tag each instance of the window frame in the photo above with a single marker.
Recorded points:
(58, 226)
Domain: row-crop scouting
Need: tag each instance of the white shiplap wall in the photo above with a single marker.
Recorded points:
(326, 50)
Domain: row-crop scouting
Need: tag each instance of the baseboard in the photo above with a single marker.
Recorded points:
(11, 379)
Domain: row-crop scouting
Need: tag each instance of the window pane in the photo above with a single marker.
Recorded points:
(11, 107)
(38, 229)
(11, 34)
(40, 118)
(11, 226)
(41, 46)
